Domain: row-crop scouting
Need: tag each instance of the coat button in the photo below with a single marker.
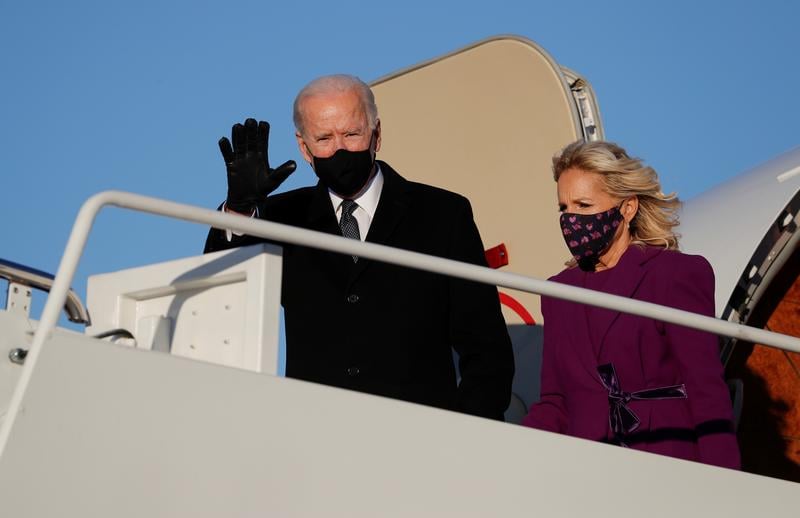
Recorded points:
(352, 299)
(353, 371)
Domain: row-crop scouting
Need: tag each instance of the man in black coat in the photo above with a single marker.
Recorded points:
(361, 324)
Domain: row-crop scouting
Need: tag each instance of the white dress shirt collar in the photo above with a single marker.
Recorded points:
(367, 202)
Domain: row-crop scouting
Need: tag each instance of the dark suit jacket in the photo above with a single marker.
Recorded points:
(383, 329)
(646, 354)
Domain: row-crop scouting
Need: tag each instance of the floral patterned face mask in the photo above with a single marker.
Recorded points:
(589, 235)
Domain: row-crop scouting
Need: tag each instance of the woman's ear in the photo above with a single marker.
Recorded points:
(629, 208)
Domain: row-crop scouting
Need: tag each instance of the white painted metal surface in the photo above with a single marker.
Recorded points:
(18, 299)
(727, 223)
(114, 431)
(17, 274)
(223, 308)
(16, 332)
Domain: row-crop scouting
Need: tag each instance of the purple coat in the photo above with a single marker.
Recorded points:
(694, 423)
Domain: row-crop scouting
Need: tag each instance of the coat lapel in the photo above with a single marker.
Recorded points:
(322, 218)
(392, 208)
(578, 327)
(625, 278)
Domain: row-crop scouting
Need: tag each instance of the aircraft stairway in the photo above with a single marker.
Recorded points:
(110, 430)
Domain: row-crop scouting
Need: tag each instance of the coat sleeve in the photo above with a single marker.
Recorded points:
(218, 240)
(477, 329)
(697, 354)
(549, 413)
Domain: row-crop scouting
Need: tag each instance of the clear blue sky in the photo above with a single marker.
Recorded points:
(134, 95)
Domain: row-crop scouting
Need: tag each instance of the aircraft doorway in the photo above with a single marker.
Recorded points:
(769, 429)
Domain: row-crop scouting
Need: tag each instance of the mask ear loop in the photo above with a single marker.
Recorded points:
(312, 155)
(373, 138)
(375, 155)
(619, 208)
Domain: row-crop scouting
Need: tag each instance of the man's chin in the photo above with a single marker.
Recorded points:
(358, 192)
(351, 195)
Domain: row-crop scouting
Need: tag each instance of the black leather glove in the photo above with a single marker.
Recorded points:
(250, 179)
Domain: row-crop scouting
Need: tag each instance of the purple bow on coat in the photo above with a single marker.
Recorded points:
(621, 418)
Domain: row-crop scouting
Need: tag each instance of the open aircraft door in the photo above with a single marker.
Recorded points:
(485, 121)
(748, 229)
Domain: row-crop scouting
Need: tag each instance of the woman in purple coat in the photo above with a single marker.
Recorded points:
(620, 378)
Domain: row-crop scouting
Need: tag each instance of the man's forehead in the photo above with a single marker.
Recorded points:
(334, 110)
(344, 101)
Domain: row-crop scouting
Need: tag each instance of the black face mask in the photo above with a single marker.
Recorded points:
(345, 172)
(588, 236)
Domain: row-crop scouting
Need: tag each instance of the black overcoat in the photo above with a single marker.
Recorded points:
(384, 329)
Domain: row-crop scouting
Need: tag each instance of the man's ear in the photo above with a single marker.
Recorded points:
(377, 135)
(304, 148)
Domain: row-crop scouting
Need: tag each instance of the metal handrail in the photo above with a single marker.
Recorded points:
(37, 279)
(309, 238)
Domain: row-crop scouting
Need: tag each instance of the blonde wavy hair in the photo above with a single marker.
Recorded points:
(624, 177)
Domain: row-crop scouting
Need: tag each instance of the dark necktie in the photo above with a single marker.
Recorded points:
(348, 222)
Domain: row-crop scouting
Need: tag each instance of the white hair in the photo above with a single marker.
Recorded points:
(336, 83)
